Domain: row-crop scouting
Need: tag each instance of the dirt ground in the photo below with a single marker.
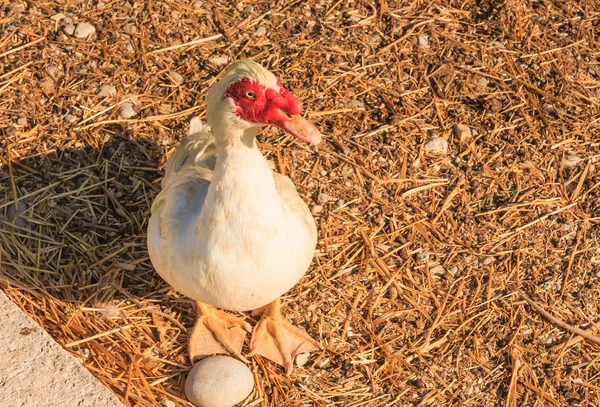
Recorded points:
(431, 235)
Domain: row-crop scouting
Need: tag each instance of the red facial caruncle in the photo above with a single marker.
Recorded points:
(259, 104)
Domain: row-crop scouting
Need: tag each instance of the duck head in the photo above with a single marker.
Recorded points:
(249, 96)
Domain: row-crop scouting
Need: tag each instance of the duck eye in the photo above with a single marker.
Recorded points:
(250, 95)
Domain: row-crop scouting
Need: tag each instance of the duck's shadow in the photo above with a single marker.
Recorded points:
(73, 255)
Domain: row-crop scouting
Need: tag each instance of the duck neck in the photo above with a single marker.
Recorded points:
(242, 181)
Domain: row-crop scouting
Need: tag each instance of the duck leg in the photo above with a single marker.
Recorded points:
(278, 340)
(217, 332)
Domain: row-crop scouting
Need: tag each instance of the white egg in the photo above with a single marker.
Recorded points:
(218, 381)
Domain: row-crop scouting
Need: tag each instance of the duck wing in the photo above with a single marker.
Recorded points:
(185, 185)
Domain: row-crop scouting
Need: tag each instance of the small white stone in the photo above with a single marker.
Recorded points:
(570, 161)
(57, 17)
(178, 79)
(484, 81)
(488, 260)
(323, 363)
(126, 111)
(260, 31)
(70, 118)
(14, 213)
(550, 109)
(316, 209)
(222, 60)
(374, 39)
(22, 121)
(130, 28)
(356, 104)
(437, 270)
(167, 403)
(47, 85)
(301, 359)
(436, 145)
(423, 256)
(423, 41)
(69, 29)
(197, 4)
(218, 381)
(453, 270)
(51, 70)
(106, 90)
(462, 131)
(175, 14)
(497, 44)
(84, 30)
(323, 198)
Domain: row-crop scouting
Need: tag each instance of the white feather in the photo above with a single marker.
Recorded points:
(229, 232)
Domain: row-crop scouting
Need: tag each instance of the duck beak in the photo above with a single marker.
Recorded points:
(299, 127)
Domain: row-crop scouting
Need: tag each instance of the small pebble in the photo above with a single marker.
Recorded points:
(106, 90)
(570, 161)
(126, 111)
(197, 4)
(488, 260)
(109, 151)
(497, 44)
(453, 270)
(167, 403)
(84, 30)
(316, 209)
(130, 28)
(340, 203)
(423, 256)
(70, 118)
(356, 104)
(14, 213)
(51, 70)
(484, 81)
(323, 198)
(301, 359)
(323, 363)
(373, 39)
(551, 110)
(423, 41)
(69, 29)
(218, 381)
(260, 31)
(175, 15)
(437, 270)
(57, 17)
(222, 60)
(47, 85)
(462, 131)
(178, 79)
(436, 145)
(249, 9)
(22, 121)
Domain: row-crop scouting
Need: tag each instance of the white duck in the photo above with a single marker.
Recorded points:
(226, 230)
